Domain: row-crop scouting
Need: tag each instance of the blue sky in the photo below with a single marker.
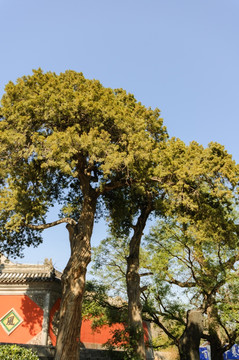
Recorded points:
(180, 56)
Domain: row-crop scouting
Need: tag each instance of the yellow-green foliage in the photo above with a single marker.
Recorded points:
(202, 188)
(58, 130)
(15, 352)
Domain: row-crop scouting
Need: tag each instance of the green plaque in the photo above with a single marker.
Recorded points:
(10, 321)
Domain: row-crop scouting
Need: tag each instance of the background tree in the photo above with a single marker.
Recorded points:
(200, 199)
(68, 140)
(167, 266)
(101, 308)
(110, 267)
(205, 271)
(129, 219)
(199, 240)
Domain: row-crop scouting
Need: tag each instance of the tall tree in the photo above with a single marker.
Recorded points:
(130, 219)
(117, 264)
(68, 140)
(200, 239)
(204, 195)
(198, 188)
(133, 285)
(129, 210)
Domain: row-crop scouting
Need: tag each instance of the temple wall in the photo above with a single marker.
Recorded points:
(25, 313)
(30, 314)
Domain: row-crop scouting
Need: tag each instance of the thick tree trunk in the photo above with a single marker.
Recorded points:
(73, 284)
(136, 330)
(216, 349)
(190, 340)
(215, 339)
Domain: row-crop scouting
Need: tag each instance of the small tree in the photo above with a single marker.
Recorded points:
(68, 140)
(206, 272)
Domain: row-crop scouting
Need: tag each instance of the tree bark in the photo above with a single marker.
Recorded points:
(136, 330)
(73, 284)
(190, 340)
(215, 340)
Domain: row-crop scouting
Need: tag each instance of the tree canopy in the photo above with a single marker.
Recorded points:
(194, 246)
(56, 131)
(68, 140)
(97, 151)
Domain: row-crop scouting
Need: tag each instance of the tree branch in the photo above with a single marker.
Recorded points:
(111, 186)
(167, 312)
(51, 224)
(187, 284)
(146, 274)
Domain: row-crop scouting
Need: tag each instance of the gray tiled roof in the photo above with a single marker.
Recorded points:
(22, 273)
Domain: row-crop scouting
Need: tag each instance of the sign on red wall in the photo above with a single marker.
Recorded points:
(21, 319)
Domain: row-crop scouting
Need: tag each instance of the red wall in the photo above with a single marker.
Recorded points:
(29, 311)
(32, 316)
(90, 338)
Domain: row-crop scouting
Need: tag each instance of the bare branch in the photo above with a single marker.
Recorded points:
(143, 288)
(51, 224)
(167, 312)
(146, 274)
(155, 319)
(182, 284)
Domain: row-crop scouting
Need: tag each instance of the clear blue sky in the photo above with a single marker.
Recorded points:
(181, 56)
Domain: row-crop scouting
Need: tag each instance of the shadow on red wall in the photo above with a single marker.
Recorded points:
(90, 338)
(32, 315)
(29, 312)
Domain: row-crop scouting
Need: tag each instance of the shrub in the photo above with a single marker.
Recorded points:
(15, 352)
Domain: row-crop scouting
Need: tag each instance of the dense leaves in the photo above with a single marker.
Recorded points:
(56, 130)
(194, 246)
(14, 352)
(68, 140)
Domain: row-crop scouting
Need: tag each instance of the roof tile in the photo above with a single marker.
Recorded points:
(22, 273)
